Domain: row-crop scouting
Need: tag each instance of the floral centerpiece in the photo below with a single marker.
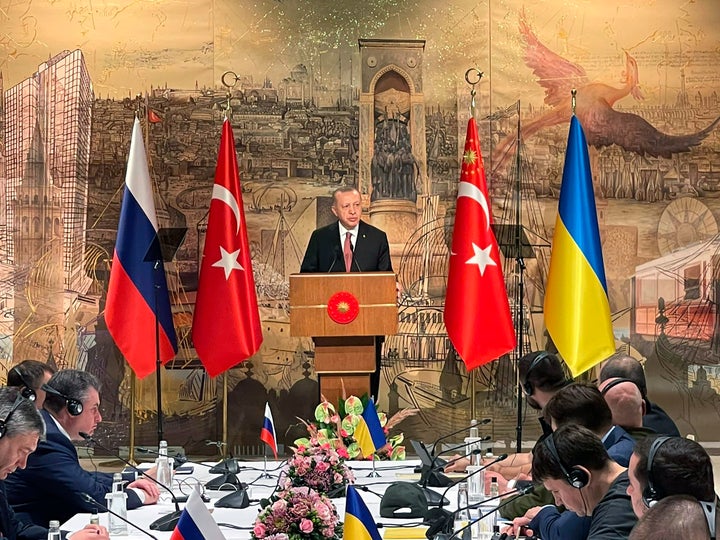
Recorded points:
(297, 513)
(319, 465)
(337, 428)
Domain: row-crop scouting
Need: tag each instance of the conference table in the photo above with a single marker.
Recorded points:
(262, 479)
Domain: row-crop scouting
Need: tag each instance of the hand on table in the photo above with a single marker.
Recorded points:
(91, 532)
(150, 488)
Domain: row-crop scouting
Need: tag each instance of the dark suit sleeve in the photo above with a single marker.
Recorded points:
(311, 261)
(384, 262)
(550, 524)
(12, 527)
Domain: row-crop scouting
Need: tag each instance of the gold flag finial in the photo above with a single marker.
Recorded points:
(476, 75)
(573, 92)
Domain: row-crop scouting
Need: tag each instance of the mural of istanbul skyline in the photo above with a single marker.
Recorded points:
(329, 94)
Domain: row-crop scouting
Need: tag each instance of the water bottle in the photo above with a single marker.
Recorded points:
(494, 488)
(462, 516)
(474, 443)
(54, 530)
(164, 473)
(94, 518)
(117, 504)
(474, 431)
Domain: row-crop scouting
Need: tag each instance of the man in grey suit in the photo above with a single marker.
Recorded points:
(349, 245)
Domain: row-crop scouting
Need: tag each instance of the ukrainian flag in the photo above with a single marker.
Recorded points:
(369, 433)
(359, 523)
(577, 311)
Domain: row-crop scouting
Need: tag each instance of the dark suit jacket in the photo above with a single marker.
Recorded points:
(50, 486)
(12, 528)
(325, 253)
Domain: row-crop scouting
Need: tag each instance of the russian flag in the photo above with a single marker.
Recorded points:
(359, 523)
(138, 287)
(267, 433)
(369, 433)
(195, 522)
(577, 310)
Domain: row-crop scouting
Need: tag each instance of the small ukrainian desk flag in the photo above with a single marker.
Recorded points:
(359, 523)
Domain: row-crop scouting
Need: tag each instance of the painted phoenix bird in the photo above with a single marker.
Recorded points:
(603, 125)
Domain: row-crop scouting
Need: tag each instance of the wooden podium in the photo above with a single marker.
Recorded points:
(344, 350)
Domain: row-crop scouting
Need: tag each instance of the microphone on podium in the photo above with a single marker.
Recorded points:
(163, 523)
(88, 499)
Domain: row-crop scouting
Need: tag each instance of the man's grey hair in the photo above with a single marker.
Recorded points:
(72, 384)
(19, 414)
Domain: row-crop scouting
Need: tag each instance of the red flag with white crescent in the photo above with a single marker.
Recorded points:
(477, 312)
(226, 324)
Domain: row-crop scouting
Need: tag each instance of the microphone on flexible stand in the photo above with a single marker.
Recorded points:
(445, 524)
(440, 516)
(88, 499)
(337, 255)
(465, 428)
(433, 475)
(163, 523)
(227, 468)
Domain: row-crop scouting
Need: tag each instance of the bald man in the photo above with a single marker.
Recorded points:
(626, 404)
(623, 365)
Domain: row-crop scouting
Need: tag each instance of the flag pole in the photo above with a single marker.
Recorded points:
(225, 415)
(131, 450)
(472, 82)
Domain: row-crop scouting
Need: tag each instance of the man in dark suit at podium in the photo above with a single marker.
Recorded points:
(349, 245)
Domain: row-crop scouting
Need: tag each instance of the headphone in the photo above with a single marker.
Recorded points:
(651, 495)
(576, 477)
(617, 381)
(3, 423)
(527, 386)
(27, 390)
(74, 406)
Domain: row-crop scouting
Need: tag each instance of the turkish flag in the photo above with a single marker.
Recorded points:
(226, 324)
(477, 313)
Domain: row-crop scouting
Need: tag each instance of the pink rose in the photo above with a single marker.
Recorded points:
(259, 530)
(322, 510)
(322, 466)
(306, 526)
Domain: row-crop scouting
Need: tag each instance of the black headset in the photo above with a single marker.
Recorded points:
(74, 406)
(527, 385)
(3, 423)
(651, 494)
(27, 390)
(576, 477)
(617, 381)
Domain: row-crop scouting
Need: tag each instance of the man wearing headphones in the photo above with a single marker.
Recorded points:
(51, 485)
(20, 430)
(664, 466)
(574, 466)
(626, 367)
(29, 376)
(676, 516)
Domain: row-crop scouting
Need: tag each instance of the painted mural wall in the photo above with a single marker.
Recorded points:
(323, 94)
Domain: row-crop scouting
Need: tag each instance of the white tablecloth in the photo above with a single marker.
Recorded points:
(260, 487)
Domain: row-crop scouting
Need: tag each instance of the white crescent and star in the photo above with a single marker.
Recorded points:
(481, 256)
(228, 260)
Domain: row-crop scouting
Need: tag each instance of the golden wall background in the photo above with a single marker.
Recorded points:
(295, 109)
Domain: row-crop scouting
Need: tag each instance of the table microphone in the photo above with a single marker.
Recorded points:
(523, 491)
(163, 523)
(88, 499)
(433, 475)
(227, 468)
(465, 428)
(440, 516)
